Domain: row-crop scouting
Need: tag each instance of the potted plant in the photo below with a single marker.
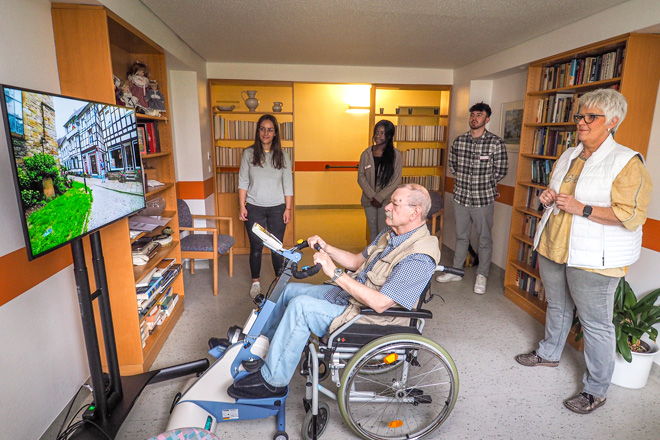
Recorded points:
(632, 319)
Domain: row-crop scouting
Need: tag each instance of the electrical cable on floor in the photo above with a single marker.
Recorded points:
(68, 411)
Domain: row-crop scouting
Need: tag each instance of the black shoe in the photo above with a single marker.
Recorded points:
(223, 342)
(253, 386)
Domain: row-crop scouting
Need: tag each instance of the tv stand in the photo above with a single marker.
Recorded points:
(112, 402)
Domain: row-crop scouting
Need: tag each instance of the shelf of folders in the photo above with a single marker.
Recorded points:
(430, 182)
(244, 130)
(231, 157)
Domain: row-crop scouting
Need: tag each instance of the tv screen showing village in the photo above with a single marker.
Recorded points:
(77, 165)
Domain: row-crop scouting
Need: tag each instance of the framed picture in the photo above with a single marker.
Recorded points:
(512, 117)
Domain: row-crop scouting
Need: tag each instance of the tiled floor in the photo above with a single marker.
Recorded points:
(498, 399)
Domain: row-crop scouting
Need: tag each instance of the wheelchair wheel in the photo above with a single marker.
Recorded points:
(408, 401)
(321, 421)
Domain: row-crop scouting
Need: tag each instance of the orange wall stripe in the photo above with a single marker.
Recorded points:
(651, 237)
(506, 192)
(320, 166)
(194, 190)
(19, 275)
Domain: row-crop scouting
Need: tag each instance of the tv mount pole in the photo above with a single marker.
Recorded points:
(112, 400)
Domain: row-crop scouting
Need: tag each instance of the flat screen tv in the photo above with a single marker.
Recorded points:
(76, 165)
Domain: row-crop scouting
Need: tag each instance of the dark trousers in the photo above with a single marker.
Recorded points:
(271, 218)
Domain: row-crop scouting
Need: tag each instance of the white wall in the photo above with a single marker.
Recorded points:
(42, 357)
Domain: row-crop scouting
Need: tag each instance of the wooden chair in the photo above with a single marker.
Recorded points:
(436, 216)
(205, 243)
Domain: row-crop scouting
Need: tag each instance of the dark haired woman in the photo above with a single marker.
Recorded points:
(379, 174)
(265, 192)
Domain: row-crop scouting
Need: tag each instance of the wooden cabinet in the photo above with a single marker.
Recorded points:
(92, 45)
(421, 117)
(233, 130)
(630, 63)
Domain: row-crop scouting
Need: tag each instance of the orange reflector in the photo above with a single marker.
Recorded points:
(391, 358)
(395, 424)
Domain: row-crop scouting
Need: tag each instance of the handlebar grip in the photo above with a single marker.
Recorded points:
(305, 273)
(452, 270)
(317, 247)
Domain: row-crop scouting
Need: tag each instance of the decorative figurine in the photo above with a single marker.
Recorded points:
(126, 98)
(155, 99)
(138, 78)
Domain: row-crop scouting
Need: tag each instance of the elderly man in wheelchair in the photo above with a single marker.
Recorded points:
(413, 377)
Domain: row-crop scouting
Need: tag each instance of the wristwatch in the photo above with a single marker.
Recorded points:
(338, 272)
(586, 212)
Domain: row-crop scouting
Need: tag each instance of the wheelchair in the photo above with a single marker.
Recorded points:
(390, 382)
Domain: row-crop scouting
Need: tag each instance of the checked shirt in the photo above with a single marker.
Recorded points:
(477, 165)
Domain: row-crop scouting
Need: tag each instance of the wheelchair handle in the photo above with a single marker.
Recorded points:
(452, 270)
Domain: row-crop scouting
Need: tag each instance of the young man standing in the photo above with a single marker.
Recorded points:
(478, 161)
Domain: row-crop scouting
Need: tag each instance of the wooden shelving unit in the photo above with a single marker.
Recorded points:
(638, 82)
(425, 107)
(228, 92)
(92, 44)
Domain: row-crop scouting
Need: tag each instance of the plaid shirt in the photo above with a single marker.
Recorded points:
(477, 165)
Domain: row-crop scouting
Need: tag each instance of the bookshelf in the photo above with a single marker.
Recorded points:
(233, 131)
(630, 63)
(92, 44)
(421, 116)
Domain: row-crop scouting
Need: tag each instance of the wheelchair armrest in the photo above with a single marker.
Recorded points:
(399, 312)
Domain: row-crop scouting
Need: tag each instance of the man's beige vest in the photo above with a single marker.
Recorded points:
(420, 242)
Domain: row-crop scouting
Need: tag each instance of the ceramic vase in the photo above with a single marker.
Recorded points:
(277, 106)
(250, 102)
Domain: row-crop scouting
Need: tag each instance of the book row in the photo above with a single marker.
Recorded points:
(148, 139)
(528, 256)
(227, 182)
(556, 109)
(533, 198)
(158, 283)
(583, 70)
(420, 133)
(530, 284)
(432, 183)
(158, 314)
(541, 169)
(423, 157)
(244, 130)
(553, 142)
(529, 226)
(231, 157)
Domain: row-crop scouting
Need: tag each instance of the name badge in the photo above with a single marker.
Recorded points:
(367, 167)
(484, 157)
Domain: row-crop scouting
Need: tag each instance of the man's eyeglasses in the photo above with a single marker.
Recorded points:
(588, 118)
(267, 129)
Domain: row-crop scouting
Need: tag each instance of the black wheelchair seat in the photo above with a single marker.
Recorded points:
(358, 335)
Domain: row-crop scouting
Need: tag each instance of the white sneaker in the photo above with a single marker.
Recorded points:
(447, 277)
(480, 285)
(255, 289)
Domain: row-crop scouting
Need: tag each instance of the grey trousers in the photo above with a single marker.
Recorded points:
(593, 295)
(375, 220)
(482, 218)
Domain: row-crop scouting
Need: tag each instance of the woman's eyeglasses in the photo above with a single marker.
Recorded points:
(588, 118)
(267, 129)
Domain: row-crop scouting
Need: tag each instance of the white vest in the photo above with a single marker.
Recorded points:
(592, 245)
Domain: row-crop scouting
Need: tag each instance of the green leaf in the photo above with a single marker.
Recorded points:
(623, 349)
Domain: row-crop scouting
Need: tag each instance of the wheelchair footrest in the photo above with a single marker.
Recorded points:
(358, 335)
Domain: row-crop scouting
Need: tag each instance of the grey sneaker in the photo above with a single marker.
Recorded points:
(584, 403)
(447, 277)
(480, 285)
(534, 360)
(255, 289)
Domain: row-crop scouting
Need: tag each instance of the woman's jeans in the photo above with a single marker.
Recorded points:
(301, 309)
(271, 218)
(592, 294)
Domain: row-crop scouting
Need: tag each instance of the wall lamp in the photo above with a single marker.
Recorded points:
(358, 109)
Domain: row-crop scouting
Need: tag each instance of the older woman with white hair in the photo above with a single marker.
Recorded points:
(590, 233)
